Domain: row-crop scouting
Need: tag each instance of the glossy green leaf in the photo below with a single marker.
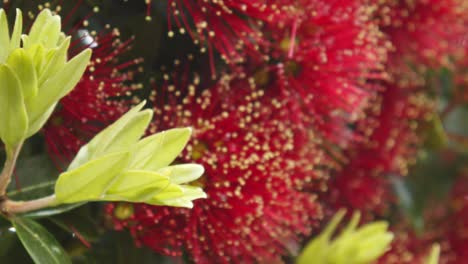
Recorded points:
(17, 31)
(91, 180)
(58, 86)
(182, 173)
(106, 139)
(160, 150)
(23, 66)
(4, 36)
(40, 244)
(13, 118)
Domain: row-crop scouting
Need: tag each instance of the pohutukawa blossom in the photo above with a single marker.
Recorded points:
(230, 27)
(393, 129)
(422, 32)
(328, 54)
(101, 96)
(390, 144)
(254, 174)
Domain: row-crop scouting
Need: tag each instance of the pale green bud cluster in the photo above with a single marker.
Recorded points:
(352, 245)
(35, 74)
(116, 165)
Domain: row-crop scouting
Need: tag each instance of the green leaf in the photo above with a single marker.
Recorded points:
(17, 30)
(185, 200)
(50, 211)
(159, 150)
(57, 87)
(91, 180)
(137, 186)
(182, 173)
(4, 36)
(23, 66)
(50, 33)
(56, 62)
(40, 244)
(106, 139)
(13, 118)
(38, 53)
(38, 26)
(38, 123)
(372, 248)
(353, 245)
(129, 134)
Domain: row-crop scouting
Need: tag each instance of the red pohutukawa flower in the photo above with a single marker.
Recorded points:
(423, 32)
(255, 171)
(390, 144)
(101, 96)
(231, 27)
(327, 53)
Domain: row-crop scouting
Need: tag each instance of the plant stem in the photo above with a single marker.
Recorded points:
(14, 207)
(9, 167)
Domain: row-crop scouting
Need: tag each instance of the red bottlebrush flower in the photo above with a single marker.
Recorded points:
(231, 27)
(255, 171)
(389, 148)
(99, 98)
(423, 32)
(327, 53)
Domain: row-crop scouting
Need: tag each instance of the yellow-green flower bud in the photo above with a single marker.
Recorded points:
(35, 74)
(352, 246)
(116, 165)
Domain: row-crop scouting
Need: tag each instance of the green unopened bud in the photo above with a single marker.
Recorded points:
(35, 74)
